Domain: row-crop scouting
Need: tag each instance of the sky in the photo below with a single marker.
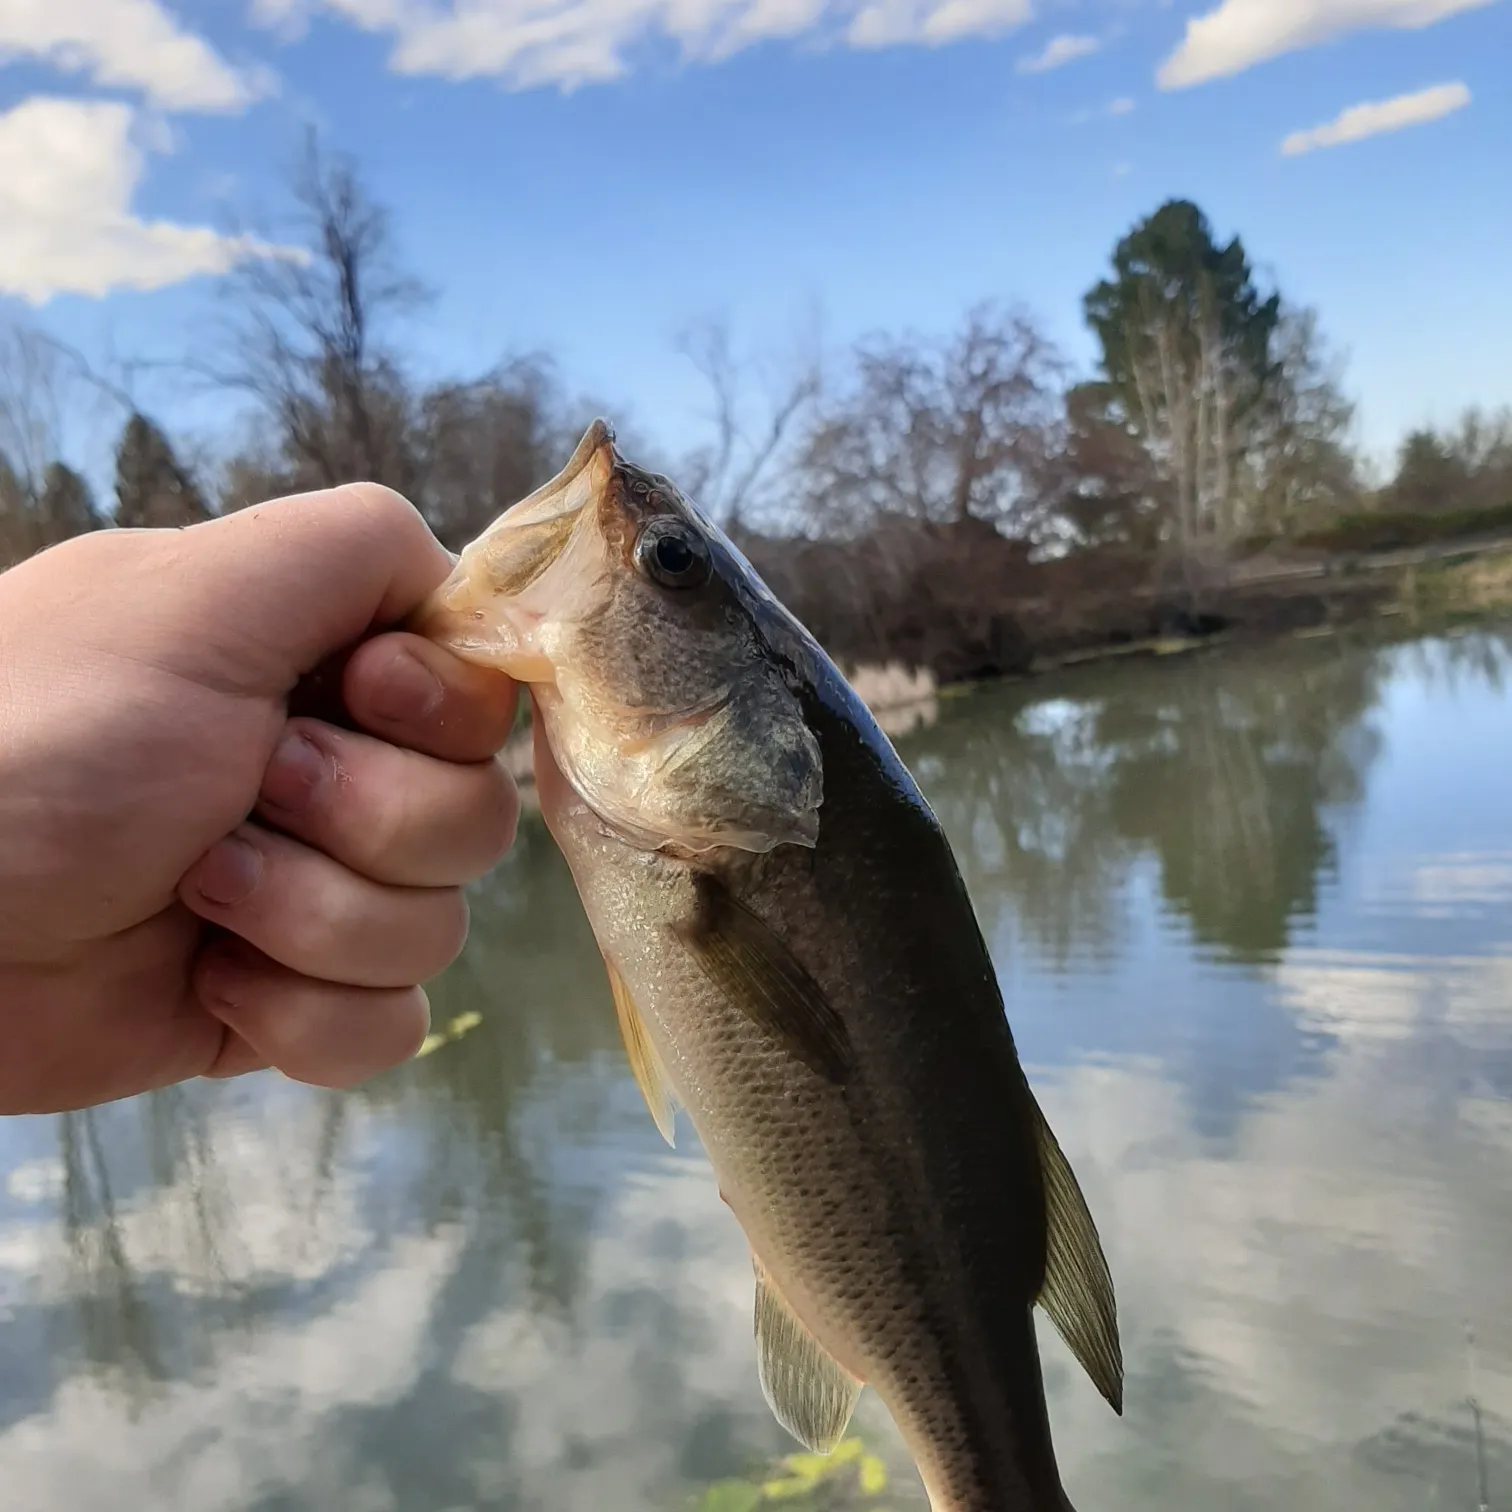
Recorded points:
(584, 177)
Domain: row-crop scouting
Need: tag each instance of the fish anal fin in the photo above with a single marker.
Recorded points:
(642, 1056)
(1078, 1292)
(759, 974)
(810, 1393)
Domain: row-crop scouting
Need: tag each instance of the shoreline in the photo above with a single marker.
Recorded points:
(1302, 601)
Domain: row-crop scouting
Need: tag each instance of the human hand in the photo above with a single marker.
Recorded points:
(193, 882)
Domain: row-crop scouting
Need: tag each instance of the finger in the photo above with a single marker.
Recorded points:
(417, 694)
(310, 913)
(236, 1058)
(274, 590)
(324, 1033)
(392, 815)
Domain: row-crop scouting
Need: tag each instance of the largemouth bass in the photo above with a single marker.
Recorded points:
(794, 959)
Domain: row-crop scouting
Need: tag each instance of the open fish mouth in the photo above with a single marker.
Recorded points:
(477, 612)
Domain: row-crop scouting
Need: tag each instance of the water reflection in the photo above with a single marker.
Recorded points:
(1252, 914)
(1221, 774)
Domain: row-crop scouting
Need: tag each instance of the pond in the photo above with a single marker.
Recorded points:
(1253, 916)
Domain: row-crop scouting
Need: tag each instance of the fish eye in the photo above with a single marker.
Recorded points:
(673, 554)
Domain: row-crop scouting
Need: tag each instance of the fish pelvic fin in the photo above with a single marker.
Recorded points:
(1077, 1295)
(810, 1393)
(644, 1064)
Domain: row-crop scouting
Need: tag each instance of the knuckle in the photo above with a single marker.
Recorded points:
(377, 503)
(450, 929)
(411, 1028)
(497, 816)
(383, 823)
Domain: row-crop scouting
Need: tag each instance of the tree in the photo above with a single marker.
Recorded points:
(42, 501)
(307, 342)
(1100, 483)
(483, 444)
(949, 432)
(35, 373)
(1429, 475)
(1186, 341)
(31, 522)
(311, 343)
(732, 476)
(1467, 467)
(17, 537)
(152, 489)
(1297, 469)
(66, 507)
(1483, 443)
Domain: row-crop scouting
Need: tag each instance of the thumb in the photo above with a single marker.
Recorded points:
(298, 578)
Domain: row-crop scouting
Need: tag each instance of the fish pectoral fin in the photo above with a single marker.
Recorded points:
(1078, 1292)
(649, 1076)
(761, 976)
(810, 1393)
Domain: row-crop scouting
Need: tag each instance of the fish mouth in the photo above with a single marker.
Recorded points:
(478, 612)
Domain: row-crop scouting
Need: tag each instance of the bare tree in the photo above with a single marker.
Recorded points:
(483, 444)
(307, 342)
(946, 432)
(1298, 469)
(1465, 466)
(35, 376)
(310, 343)
(44, 385)
(757, 410)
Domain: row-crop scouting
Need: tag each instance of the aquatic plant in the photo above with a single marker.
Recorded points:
(849, 1477)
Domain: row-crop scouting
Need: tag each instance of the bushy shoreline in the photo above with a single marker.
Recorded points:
(1426, 585)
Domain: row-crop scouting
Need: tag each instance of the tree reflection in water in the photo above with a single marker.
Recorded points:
(1221, 772)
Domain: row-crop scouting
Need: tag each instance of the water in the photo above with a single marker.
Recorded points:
(1253, 914)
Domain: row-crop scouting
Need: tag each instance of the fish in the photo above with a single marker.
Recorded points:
(795, 962)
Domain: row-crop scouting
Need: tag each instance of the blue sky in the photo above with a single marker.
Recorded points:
(584, 176)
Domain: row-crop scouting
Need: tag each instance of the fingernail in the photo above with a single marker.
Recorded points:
(229, 872)
(408, 691)
(294, 775)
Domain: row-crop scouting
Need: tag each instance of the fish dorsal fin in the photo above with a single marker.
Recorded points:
(761, 976)
(1078, 1292)
(643, 1062)
(810, 1393)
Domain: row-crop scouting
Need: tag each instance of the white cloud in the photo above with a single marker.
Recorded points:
(569, 43)
(68, 171)
(1121, 106)
(1057, 52)
(35, 1181)
(1373, 117)
(889, 23)
(1241, 33)
(128, 44)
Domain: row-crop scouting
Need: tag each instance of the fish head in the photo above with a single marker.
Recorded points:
(665, 673)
